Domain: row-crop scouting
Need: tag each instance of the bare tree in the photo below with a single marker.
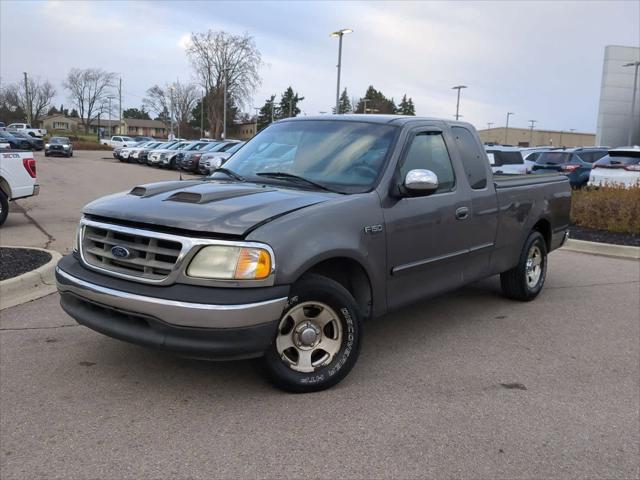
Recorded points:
(156, 100)
(177, 98)
(33, 101)
(88, 92)
(214, 53)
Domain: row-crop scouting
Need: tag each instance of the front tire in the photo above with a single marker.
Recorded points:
(4, 207)
(525, 281)
(318, 338)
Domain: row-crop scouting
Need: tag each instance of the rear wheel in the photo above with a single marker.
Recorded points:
(318, 338)
(525, 281)
(4, 207)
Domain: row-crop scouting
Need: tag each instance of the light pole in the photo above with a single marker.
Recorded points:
(506, 129)
(339, 34)
(224, 108)
(633, 100)
(489, 125)
(458, 87)
(257, 109)
(532, 124)
(171, 88)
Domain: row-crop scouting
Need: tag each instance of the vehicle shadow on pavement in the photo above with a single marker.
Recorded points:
(390, 338)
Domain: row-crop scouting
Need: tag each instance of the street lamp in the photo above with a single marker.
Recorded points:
(633, 99)
(257, 109)
(339, 34)
(506, 129)
(458, 87)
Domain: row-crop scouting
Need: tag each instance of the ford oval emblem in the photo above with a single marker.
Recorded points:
(120, 252)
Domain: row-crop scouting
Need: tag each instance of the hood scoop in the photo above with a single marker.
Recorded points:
(151, 189)
(214, 195)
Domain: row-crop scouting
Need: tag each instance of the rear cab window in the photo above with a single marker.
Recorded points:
(473, 158)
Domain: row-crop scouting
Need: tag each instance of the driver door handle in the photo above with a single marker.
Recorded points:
(462, 213)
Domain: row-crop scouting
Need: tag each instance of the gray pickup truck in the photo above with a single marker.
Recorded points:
(313, 227)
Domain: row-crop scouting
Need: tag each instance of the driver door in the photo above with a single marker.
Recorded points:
(426, 239)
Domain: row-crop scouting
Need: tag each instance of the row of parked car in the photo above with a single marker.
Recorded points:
(198, 156)
(593, 166)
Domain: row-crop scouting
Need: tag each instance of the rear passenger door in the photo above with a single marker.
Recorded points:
(481, 224)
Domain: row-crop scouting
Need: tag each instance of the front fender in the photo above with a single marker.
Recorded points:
(332, 229)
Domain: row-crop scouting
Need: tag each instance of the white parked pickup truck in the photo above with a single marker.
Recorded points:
(26, 128)
(119, 141)
(17, 178)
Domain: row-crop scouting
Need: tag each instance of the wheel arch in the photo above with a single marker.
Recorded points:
(544, 227)
(351, 274)
(6, 189)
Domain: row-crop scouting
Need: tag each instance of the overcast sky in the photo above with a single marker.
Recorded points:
(541, 60)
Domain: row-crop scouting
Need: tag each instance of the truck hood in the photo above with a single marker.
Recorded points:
(213, 207)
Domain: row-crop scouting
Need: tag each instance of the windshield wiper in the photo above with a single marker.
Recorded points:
(229, 173)
(291, 176)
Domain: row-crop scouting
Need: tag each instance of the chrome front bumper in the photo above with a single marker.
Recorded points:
(173, 312)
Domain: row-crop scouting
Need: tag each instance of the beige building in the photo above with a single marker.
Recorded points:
(242, 131)
(130, 126)
(525, 137)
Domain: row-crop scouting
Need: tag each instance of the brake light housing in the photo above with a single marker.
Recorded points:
(30, 166)
(569, 168)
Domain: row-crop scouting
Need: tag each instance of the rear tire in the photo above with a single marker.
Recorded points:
(4, 207)
(318, 338)
(525, 281)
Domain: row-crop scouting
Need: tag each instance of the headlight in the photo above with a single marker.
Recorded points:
(231, 263)
(46, 145)
(65, 146)
(215, 163)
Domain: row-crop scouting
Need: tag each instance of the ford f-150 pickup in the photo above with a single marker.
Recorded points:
(284, 256)
(17, 178)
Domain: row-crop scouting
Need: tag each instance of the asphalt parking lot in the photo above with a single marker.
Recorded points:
(468, 385)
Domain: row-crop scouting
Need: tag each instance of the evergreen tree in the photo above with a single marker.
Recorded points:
(163, 116)
(376, 102)
(344, 104)
(136, 113)
(74, 113)
(53, 111)
(268, 113)
(406, 106)
(289, 104)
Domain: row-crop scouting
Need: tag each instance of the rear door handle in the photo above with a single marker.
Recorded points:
(462, 213)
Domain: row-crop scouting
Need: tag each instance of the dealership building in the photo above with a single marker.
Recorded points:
(615, 122)
(525, 137)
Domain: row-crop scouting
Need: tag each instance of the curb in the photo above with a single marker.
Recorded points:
(30, 285)
(606, 249)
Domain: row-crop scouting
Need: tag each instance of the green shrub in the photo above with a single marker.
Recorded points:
(613, 208)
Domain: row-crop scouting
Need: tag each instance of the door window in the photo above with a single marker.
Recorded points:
(473, 158)
(428, 151)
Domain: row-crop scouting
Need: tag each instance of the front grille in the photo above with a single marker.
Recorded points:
(149, 258)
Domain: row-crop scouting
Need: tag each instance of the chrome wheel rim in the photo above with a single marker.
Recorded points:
(309, 336)
(534, 266)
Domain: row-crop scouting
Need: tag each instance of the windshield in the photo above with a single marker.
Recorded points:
(209, 146)
(178, 146)
(59, 140)
(555, 157)
(347, 156)
(127, 139)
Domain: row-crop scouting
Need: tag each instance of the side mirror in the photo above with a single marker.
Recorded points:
(420, 182)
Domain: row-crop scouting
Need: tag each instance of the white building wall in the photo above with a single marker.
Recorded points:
(614, 112)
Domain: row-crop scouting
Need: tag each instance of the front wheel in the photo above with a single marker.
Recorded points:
(318, 338)
(525, 281)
